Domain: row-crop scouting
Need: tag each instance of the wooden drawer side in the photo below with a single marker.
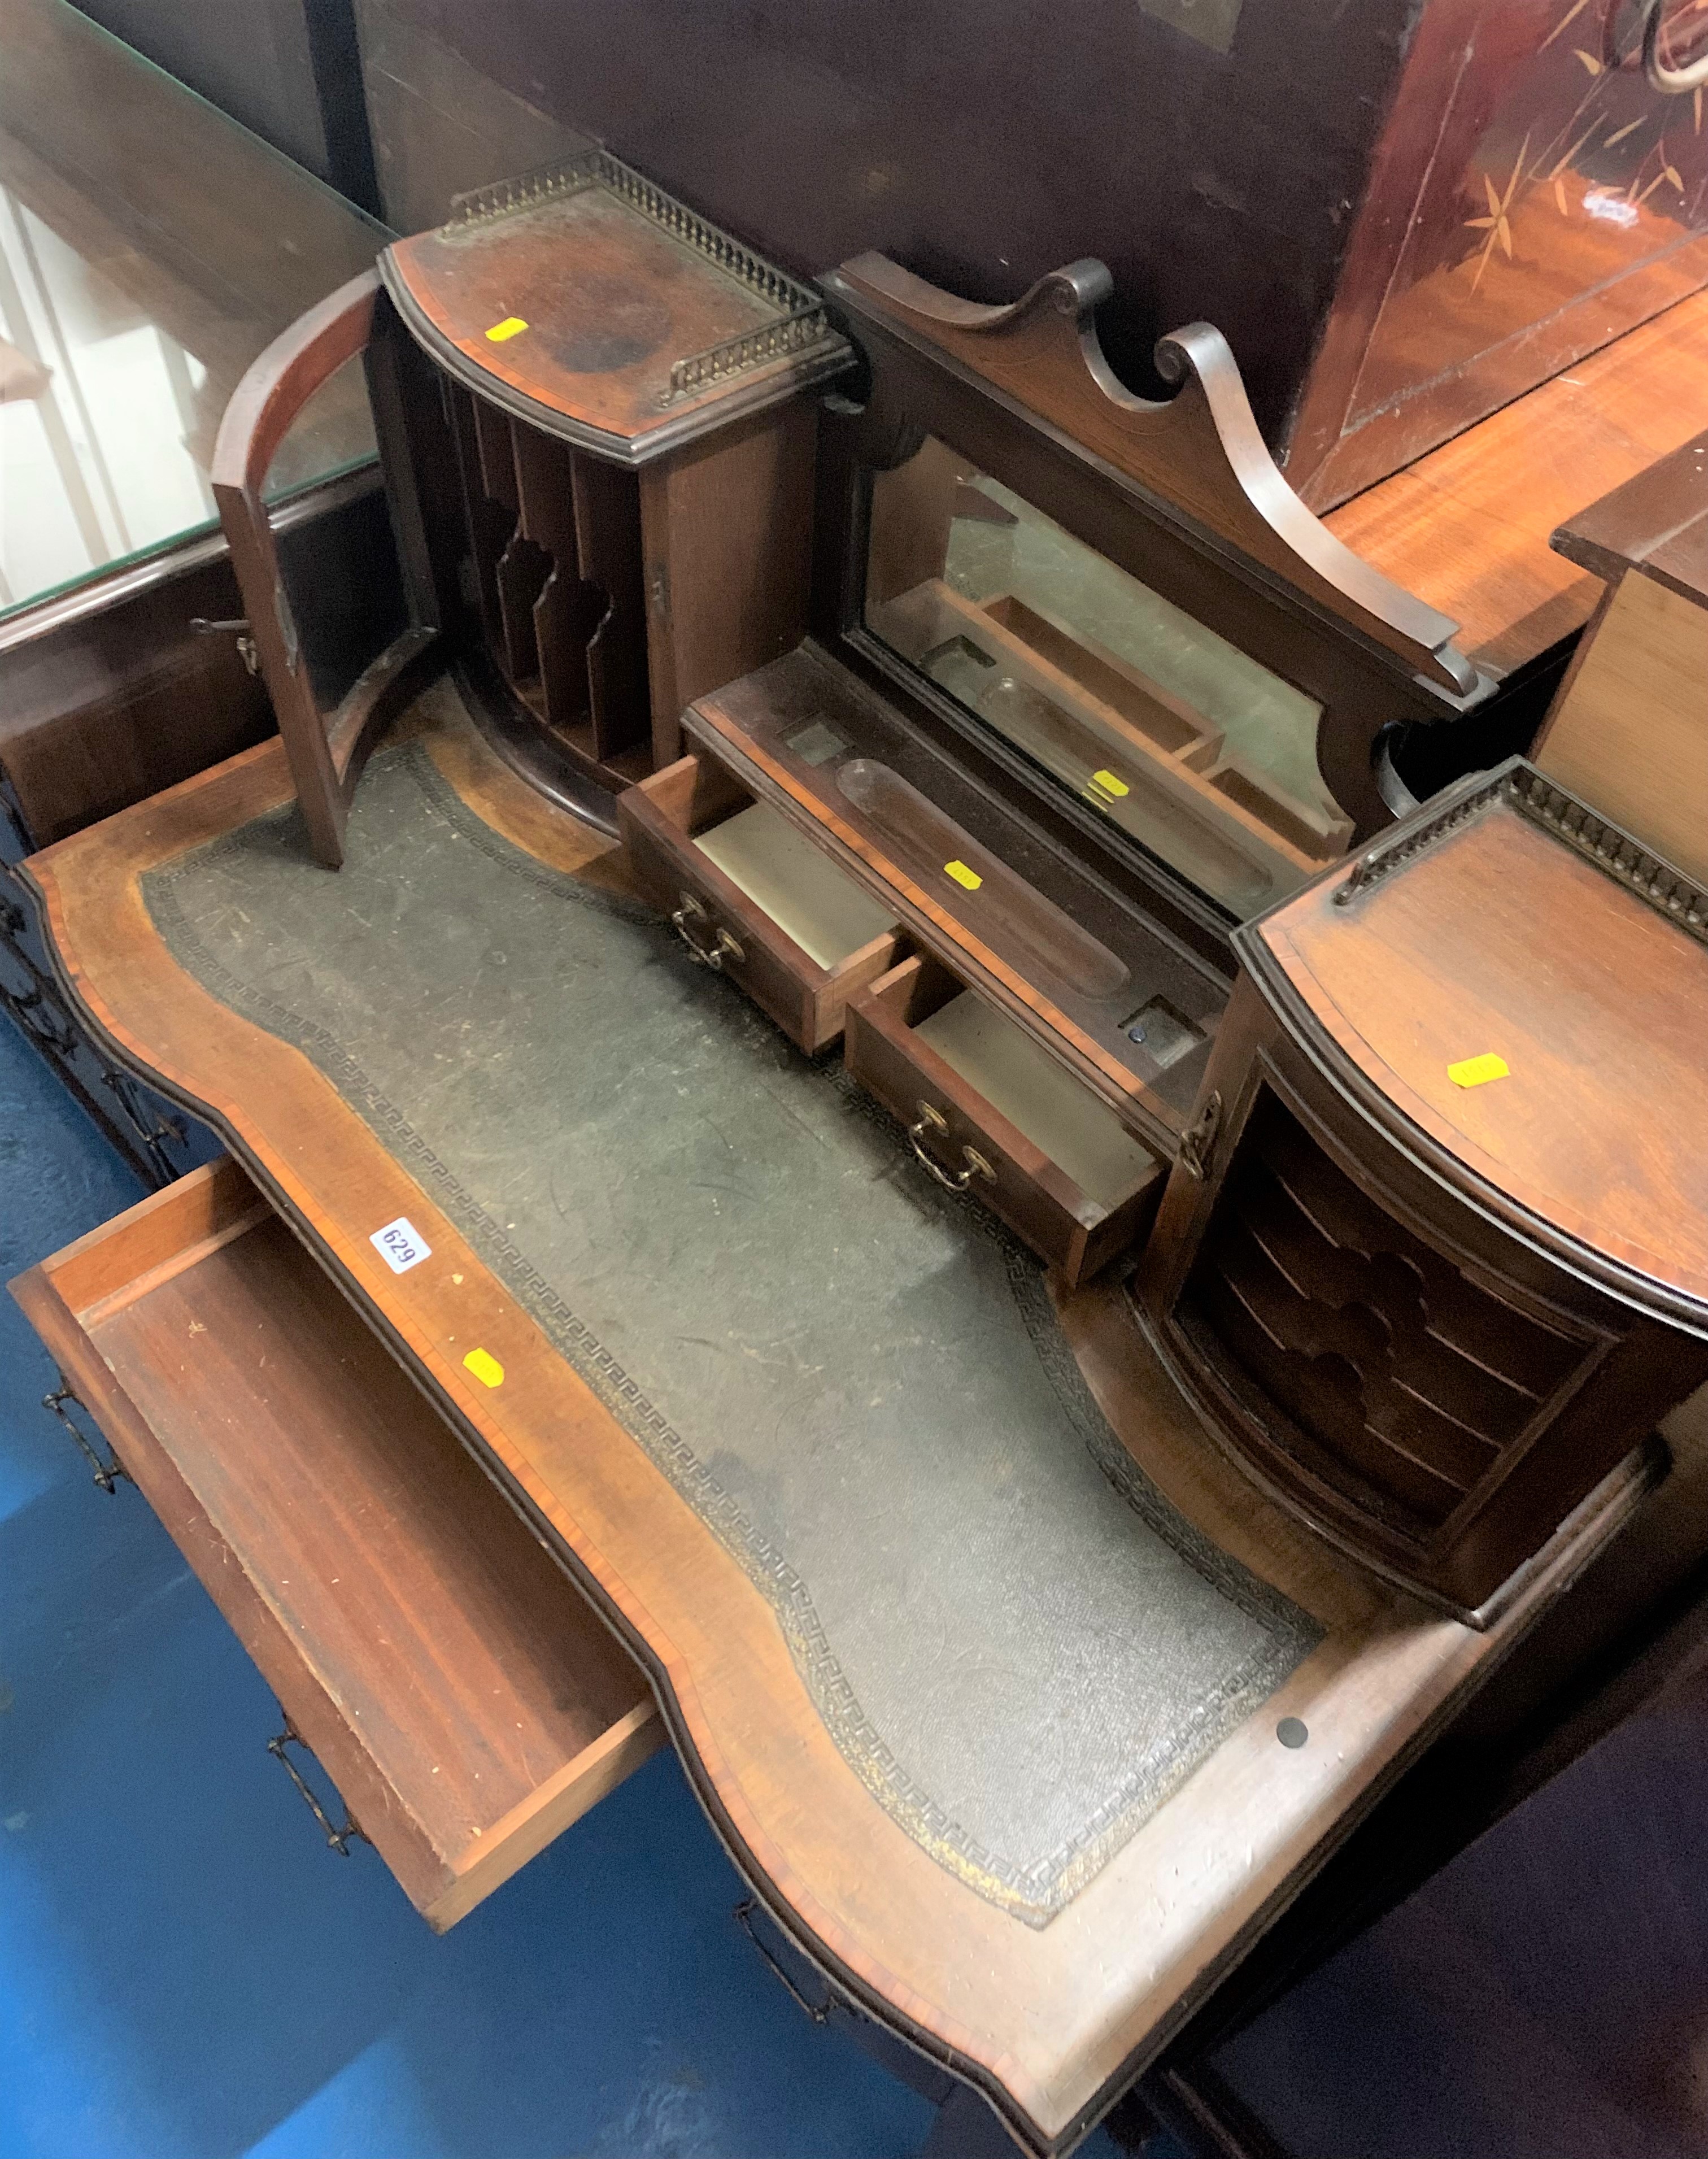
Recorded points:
(454, 1685)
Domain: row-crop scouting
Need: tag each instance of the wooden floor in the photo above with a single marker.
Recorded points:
(1049, 2021)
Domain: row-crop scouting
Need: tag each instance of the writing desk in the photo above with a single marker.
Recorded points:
(1050, 2020)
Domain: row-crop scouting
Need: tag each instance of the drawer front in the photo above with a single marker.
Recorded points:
(452, 1681)
(724, 930)
(945, 1118)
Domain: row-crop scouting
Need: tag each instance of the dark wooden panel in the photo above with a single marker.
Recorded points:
(1308, 180)
(1008, 141)
(251, 58)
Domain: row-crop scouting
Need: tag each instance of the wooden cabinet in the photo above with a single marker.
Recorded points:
(1401, 213)
(431, 1651)
(599, 441)
(1429, 1263)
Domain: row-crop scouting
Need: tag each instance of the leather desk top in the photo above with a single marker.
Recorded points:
(1049, 2020)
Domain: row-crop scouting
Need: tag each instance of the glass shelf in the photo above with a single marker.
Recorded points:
(150, 248)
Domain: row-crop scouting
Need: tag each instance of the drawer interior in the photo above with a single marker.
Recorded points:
(1014, 1076)
(452, 1681)
(814, 903)
(1024, 1082)
(797, 884)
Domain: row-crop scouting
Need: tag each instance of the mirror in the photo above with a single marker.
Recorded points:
(1168, 730)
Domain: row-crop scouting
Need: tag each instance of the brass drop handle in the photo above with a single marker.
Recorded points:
(705, 955)
(932, 1119)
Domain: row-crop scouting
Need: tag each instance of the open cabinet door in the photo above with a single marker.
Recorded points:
(326, 750)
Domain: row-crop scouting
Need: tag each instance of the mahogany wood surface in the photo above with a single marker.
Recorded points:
(1313, 181)
(728, 726)
(658, 819)
(450, 1681)
(1432, 1315)
(727, 538)
(326, 750)
(1200, 449)
(1499, 938)
(612, 287)
(1049, 2022)
(1468, 526)
(1658, 522)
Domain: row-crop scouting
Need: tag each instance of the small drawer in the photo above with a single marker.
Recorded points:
(751, 896)
(990, 1112)
(452, 1681)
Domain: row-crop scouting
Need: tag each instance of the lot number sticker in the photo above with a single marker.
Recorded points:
(402, 1245)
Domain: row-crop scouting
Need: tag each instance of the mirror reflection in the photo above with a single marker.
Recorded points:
(1167, 729)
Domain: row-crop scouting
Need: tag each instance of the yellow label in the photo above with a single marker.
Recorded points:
(511, 326)
(485, 1367)
(963, 875)
(1474, 1071)
(1107, 783)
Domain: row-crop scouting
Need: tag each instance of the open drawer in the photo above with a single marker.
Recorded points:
(751, 896)
(451, 1680)
(990, 1112)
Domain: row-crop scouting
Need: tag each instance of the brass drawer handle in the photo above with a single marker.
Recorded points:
(705, 955)
(932, 1119)
(107, 1472)
(337, 1839)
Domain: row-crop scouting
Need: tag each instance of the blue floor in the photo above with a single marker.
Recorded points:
(186, 1972)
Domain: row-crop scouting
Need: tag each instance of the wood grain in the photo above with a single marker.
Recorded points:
(1599, 1027)
(1629, 729)
(1201, 450)
(452, 1684)
(1468, 527)
(326, 750)
(726, 536)
(1434, 1317)
(609, 299)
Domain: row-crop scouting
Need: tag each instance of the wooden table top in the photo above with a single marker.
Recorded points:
(1049, 2020)
(1468, 527)
(1497, 937)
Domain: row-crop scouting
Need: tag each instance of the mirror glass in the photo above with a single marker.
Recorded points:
(1170, 732)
